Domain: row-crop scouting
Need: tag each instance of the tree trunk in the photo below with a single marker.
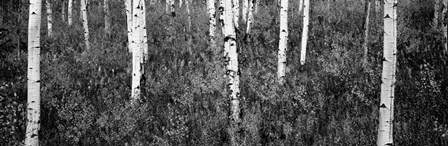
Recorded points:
(445, 22)
(128, 5)
(385, 128)
(232, 71)
(138, 46)
(106, 17)
(49, 19)
(366, 33)
(221, 15)
(70, 12)
(190, 37)
(212, 22)
(436, 13)
(63, 15)
(172, 8)
(33, 109)
(306, 19)
(180, 3)
(85, 23)
(250, 16)
(245, 10)
(236, 11)
(283, 43)
(167, 6)
(300, 7)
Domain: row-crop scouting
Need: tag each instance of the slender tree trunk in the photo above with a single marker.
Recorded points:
(436, 13)
(190, 38)
(236, 9)
(70, 12)
(167, 6)
(18, 23)
(85, 23)
(63, 15)
(250, 17)
(212, 22)
(33, 108)
(306, 21)
(180, 3)
(445, 22)
(49, 19)
(245, 10)
(106, 17)
(128, 5)
(300, 7)
(366, 33)
(172, 8)
(377, 5)
(386, 117)
(283, 43)
(138, 45)
(221, 15)
(232, 72)
(256, 5)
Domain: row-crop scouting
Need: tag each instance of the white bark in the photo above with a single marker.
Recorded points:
(245, 10)
(221, 14)
(250, 16)
(444, 22)
(33, 108)
(385, 128)
(63, 15)
(283, 42)
(180, 3)
(85, 23)
(436, 13)
(49, 19)
(70, 12)
(366, 33)
(232, 70)
(212, 21)
(167, 6)
(300, 7)
(128, 5)
(139, 47)
(106, 17)
(190, 38)
(306, 21)
(236, 11)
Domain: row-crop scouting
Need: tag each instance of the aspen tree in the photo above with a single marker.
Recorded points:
(33, 99)
(128, 5)
(49, 19)
(212, 21)
(300, 6)
(283, 42)
(106, 17)
(63, 15)
(138, 44)
(180, 3)
(85, 23)
(172, 6)
(245, 10)
(250, 16)
(436, 13)
(444, 23)
(232, 71)
(167, 7)
(236, 11)
(306, 21)
(221, 14)
(70, 12)
(386, 115)
(189, 39)
(366, 33)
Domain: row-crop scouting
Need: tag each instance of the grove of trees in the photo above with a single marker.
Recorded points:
(223, 72)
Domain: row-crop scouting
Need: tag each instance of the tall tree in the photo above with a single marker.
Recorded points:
(436, 13)
(306, 21)
(236, 9)
(300, 6)
(49, 19)
(70, 12)
(445, 22)
(63, 15)
(232, 71)
(366, 32)
(212, 21)
(33, 109)
(106, 17)
(245, 10)
(85, 23)
(250, 16)
(138, 46)
(386, 115)
(283, 43)
(128, 5)
(189, 29)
